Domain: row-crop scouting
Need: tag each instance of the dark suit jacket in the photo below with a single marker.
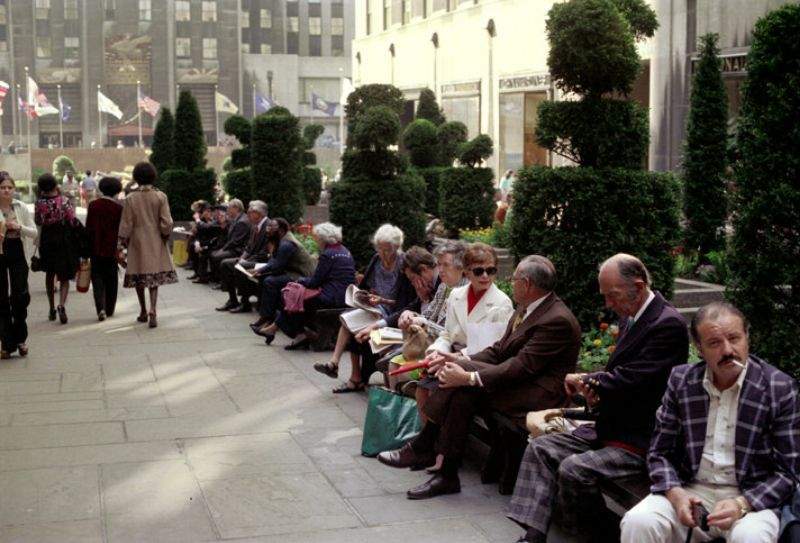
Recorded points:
(238, 234)
(524, 371)
(766, 437)
(257, 249)
(102, 226)
(633, 383)
(335, 270)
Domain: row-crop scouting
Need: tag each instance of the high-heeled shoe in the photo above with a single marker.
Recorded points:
(142, 317)
(153, 322)
(52, 315)
(23, 349)
(62, 314)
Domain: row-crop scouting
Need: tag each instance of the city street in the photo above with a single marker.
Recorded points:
(196, 431)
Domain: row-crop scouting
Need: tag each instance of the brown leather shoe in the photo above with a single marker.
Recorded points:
(438, 485)
(405, 457)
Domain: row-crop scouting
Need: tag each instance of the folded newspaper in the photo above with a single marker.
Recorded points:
(251, 273)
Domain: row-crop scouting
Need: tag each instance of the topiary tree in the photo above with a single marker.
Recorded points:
(184, 187)
(277, 164)
(704, 160)
(428, 109)
(467, 192)
(190, 152)
(61, 165)
(450, 135)
(239, 184)
(162, 155)
(764, 261)
(420, 140)
(312, 176)
(586, 130)
(368, 96)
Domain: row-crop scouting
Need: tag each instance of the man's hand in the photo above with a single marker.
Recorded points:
(452, 375)
(363, 335)
(725, 513)
(437, 359)
(406, 319)
(573, 383)
(12, 226)
(682, 502)
(422, 288)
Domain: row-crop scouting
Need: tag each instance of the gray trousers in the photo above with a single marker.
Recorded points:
(563, 470)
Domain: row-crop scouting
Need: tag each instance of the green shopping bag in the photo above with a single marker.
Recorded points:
(391, 421)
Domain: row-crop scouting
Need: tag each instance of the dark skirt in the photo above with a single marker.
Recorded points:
(58, 251)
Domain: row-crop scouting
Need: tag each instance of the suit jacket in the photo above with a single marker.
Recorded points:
(238, 234)
(257, 249)
(524, 370)
(633, 383)
(493, 307)
(767, 442)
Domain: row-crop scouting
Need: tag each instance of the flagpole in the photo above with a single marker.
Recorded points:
(216, 115)
(18, 123)
(60, 119)
(99, 121)
(254, 101)
(139, 109)
(341, 114)
(28, 93)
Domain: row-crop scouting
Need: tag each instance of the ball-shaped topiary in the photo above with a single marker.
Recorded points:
(239, 127)
(450, 135)
(368, 96)
(420, 140)
(378, 128)
(475, 151)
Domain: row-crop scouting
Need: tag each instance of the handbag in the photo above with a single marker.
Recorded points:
(391, 421)
(36, 261)
(84, 276)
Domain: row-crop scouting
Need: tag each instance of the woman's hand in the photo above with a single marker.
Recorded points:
(12, 226)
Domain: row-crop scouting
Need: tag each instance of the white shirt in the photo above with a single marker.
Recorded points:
(533, 305)
(650, 298)
(718, 463)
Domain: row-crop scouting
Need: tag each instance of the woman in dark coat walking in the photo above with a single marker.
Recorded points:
(102, 225)
(59, 247)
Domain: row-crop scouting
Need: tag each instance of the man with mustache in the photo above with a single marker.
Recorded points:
(726, 438)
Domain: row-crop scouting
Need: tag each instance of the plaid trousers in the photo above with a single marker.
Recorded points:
(563, 470)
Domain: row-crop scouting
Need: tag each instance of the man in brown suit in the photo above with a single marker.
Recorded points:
(521, 372)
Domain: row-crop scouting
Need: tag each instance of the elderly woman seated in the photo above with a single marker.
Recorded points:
(334, 272)
(383, 279)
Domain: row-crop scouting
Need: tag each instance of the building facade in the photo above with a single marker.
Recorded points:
(240, 48)
(486, 60)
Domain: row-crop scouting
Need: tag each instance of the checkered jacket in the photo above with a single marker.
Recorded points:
(767, 438)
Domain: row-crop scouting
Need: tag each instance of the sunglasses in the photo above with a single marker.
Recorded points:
(477, 272)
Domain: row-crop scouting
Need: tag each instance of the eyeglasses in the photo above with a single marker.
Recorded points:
(477, 272)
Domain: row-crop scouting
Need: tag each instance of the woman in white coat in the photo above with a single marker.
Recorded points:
(478, 303)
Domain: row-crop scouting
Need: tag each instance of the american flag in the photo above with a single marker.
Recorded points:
(149, 105)
(3, 90)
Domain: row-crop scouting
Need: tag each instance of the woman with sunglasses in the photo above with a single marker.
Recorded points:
(479, 302)
(17, 246)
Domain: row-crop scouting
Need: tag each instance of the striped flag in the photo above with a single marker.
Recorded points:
(3, 90)
(148, 104)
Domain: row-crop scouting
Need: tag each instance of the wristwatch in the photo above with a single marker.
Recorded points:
(744, 507)
(473, 378)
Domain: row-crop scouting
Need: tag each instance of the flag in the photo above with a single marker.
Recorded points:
(43, 106)
(65, 109)
(263, 104)
(33, 91)
(148, 104)
(224, 104)
(106, 105)
(25, 108)
(347, 88)
(329, 108)
(3, 90)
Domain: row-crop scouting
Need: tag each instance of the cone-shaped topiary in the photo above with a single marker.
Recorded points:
(765, 255)
(704, 154)
(190, 142)
(428, 109)
(163, 149)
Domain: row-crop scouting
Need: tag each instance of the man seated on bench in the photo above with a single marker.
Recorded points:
(522, 371)
(564, 469)
(726, 438)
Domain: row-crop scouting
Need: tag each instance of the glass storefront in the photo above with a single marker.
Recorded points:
(518, 118)
(466, 109)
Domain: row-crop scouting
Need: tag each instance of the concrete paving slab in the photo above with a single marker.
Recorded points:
(89, 455)
(69, 531)
(93, 415)
(32, 437)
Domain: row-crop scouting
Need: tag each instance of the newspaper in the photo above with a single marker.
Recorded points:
(358, 319)
(251, 273)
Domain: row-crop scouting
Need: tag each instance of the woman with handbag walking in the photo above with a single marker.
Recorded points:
(59, 242)
(145, 228)
(20, 231)
(102, 225)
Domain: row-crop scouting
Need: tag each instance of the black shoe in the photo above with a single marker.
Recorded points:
(52, 315)
(200, 281)
(532, 536)
(405, 457)
(328, 368)
(101, 316)
(241, 308)
(192, 277)
(302, 344)
(438, 485)
(268, 338)
(230, 304)
(62, 314)
(259, 324)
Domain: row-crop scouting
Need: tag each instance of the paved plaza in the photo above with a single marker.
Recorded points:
(196, 431)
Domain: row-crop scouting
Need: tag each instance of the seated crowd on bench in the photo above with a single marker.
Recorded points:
(721, 433)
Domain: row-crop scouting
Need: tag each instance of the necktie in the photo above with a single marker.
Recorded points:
(517, 321)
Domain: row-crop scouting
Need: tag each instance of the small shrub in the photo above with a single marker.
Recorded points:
(496, 235)
(240, 128)
(466, 198)
(686, 265)
(378, 128)
(190, 142)
(163, 148)
(574, 216)
(61, 165)
(368, 96)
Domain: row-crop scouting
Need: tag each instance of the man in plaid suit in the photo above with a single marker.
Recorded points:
(726, 437)
(565, 469)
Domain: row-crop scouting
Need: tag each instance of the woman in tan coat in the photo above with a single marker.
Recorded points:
(145, 228)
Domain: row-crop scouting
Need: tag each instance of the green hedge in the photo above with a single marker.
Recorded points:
(312, 185)
(432, 177)
(183, 187)
(466, 198)
(578, 217)
(239, 184)
(355, 207)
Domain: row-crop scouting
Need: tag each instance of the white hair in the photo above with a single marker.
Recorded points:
(388, 233)
(237, 203)
(258, 206)
(328, 233)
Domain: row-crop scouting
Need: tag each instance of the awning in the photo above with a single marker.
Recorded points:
(129, 130)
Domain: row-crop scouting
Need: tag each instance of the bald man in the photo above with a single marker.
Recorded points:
(564, 469)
